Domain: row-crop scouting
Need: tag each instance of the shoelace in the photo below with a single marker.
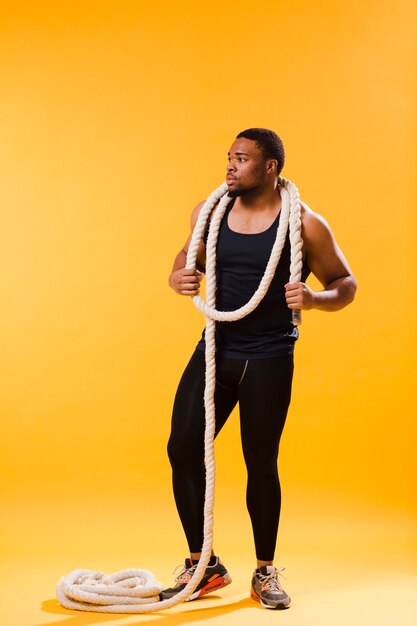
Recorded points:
(185, 573)
(272, 579)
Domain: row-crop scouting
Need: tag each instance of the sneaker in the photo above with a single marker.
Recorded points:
(215, 577)
(267, 589)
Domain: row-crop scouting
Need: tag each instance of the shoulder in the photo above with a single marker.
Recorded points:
(311, 221)
(196, 213)
(315, 228)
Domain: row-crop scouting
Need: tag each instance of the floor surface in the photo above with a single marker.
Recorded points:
(349, 574)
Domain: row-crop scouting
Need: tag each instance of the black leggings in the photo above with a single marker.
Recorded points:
(263, 389)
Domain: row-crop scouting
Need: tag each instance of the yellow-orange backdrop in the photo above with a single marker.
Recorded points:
(115, 120)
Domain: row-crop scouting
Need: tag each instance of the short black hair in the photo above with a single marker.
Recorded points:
(269, 142)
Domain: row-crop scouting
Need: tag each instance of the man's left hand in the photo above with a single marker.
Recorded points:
(299, 296)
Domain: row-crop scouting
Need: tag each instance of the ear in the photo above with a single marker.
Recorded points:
(272, 166)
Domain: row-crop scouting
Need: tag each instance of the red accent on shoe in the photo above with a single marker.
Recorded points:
(217, 583)
(254, 595)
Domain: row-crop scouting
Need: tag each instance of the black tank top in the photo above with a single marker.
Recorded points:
(241, 261)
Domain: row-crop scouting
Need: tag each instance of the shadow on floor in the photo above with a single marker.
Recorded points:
(189, 614)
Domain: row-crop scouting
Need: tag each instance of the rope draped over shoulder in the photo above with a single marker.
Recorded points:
(134, 590)
(290, 215)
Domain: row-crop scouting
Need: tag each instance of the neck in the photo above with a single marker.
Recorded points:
(259, 199)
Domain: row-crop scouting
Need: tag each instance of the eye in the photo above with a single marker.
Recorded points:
(242, 159)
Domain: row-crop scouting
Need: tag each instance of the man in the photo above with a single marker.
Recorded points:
(254, 354)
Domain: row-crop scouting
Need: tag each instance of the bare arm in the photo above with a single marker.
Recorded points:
(327, 263)
(187, 282)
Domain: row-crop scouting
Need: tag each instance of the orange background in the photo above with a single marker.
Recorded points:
(115, 120)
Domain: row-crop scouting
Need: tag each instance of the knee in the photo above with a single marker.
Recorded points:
(184, 454)
(262, 468)
(174, 452)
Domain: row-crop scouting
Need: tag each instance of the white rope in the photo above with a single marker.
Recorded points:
(136, 590)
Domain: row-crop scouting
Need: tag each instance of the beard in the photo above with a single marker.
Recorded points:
(235, 193)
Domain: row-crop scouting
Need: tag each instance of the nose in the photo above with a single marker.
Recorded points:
(231, 167)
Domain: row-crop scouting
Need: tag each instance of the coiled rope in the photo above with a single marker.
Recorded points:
(137, 590)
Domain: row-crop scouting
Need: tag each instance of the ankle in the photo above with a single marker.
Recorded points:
(195, 557)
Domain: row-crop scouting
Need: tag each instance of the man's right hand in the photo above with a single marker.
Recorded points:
(186, 282)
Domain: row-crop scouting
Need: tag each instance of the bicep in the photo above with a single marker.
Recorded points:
(324, 256)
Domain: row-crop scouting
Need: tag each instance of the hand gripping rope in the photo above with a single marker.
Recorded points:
(137, 590)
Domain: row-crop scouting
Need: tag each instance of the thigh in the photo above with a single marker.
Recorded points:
(264, 397)
(188, 417)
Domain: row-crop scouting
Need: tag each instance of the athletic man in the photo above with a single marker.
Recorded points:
(254, 354)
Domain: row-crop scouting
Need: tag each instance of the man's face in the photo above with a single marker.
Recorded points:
(246, 169)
